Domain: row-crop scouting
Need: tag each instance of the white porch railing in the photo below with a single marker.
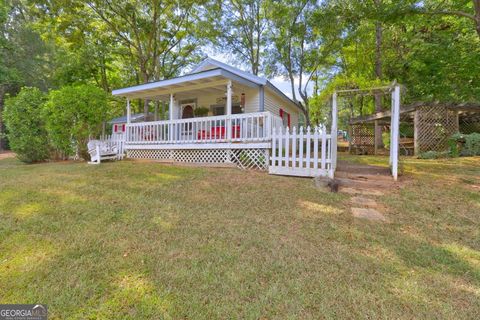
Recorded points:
(247, 127)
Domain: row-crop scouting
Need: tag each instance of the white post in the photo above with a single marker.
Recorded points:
(171, 107)
(129, 112)
(229, 98)
(129, 116)
(395, 132)
(229, 110)
(171, 126)
(333, 135)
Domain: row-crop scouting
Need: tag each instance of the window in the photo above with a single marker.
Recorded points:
(219, 110)
(285, 117)
(118, 128)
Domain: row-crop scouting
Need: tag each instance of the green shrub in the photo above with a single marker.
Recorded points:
(26, 126)
(464, 144)
(74, 113)
(434, 155)
(386, 139)
(201, 111)
(472, 144)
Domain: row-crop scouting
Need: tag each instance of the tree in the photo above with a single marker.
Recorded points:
(23, 55)
(73, 115)
(242, 31)
(453, 8)
(297, 47)
(26, 126)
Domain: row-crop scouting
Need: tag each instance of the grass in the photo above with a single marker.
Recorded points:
(145, 240)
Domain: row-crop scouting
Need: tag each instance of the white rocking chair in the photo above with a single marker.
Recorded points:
(101, 150)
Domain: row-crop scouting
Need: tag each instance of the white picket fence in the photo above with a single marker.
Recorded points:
(303, 152)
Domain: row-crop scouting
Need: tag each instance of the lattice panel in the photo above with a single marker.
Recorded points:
(243, 158)
(362, 138)
(202, 156)
(434, 125)
(150, 154)
(251, 158)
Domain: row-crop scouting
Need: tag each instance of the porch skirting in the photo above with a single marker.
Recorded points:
(253, 158)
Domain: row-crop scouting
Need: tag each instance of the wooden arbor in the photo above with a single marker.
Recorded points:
(363, 133)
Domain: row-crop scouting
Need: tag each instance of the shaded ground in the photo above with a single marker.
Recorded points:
(6, 154)
(146, 240)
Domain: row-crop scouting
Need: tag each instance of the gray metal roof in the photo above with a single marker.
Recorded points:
(219, 69)
(137, 117)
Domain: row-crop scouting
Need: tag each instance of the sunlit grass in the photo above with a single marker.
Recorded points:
(151, 241)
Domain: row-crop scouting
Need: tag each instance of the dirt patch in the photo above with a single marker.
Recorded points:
(6, 154)
(363, 201)
(356, 168)
(365, 192)
(368, 214)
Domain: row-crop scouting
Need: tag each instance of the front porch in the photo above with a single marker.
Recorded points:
(219, 132)
(240, 139)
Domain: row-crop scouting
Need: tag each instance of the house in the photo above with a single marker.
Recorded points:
(119, 124)
(217, 114)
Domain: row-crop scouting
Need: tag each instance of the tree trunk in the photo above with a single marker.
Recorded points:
(2, 139)
(145, 109)
(476, 5)
(378, 75)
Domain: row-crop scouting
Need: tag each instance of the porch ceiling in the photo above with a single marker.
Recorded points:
(210, 81)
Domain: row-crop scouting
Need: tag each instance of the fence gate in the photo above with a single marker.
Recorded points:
(303, 152)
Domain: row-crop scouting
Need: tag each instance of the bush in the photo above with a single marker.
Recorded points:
(201, 112)
(74, 113)
(26, 126)
(386, 140)
(465, 144)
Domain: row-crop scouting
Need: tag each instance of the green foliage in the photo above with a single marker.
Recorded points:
(386, 139)
(26, 127)
(201, 111)
(74, 113)
(434, 155)
(465, 144)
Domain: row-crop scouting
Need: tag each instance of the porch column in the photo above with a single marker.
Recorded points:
(229, 98)
(129, 111)
(261, 98)
(229, 110)
(171, 126)
(171, 107)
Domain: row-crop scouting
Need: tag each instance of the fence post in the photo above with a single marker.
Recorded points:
(315, 149)
(274, 148)
(395, 131)
(334, 134)
(324, 147)
(300, 152)
(287, 147)
(309, 142)
(294, 147)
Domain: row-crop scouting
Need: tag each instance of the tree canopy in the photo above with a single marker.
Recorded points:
(432, 47)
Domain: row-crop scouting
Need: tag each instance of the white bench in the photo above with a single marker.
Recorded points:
(103, 150)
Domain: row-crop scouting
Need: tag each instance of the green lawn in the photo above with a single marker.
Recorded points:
(145, 240)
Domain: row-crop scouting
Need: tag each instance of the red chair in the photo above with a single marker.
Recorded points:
(218, 132)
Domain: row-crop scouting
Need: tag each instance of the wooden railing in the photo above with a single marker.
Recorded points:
(247, 127)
